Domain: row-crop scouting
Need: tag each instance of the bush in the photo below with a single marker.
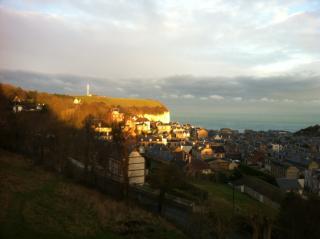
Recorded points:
(253, 172)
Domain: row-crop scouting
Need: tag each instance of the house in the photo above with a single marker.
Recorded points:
(142, 149)
(257, 157)
(142, 125)
(182, 154)
(217, 137)
(149, 140)
(202, 153)
(103, 132)
(313, 165)
(174, 143)
(201, 133)
(131, 121)
(219, 152)
(40, 107)
(116, 116)
(76, 101)
(115, 169)
(135, 168)
(163, 128)
(219, 165)
(130, 126)
(178, 154)
(17, 108)
(226, 131)
(276, 147)
(27, 106)
(181, 133)
(289, 185)
(283, 170)
(186, 148)
(206, 153)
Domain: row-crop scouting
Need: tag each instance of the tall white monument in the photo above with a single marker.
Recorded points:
(88, 90)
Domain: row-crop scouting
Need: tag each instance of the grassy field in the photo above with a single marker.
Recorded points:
(221, 195)
(59, 102)
(123, 102)
(39, 204)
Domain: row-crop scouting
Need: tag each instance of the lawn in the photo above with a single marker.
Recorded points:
(39, 204)
(222, 194)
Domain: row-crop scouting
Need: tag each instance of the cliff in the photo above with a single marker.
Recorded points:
(162, 117)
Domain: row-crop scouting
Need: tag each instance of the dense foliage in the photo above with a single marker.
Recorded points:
(313, 131)
(299, 218)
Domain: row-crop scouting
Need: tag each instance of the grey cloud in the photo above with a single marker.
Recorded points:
(140, 38)
(237, 89)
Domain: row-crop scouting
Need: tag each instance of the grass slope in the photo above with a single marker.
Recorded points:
(39, 204)
(122, 102)
(221, 195)
(147, 105)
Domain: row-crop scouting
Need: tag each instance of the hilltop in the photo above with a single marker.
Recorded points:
(63, 105)
(311, 131)
(123, 102)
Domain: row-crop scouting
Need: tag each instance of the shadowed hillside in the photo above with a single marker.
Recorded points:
(39, 204)
(312, 131)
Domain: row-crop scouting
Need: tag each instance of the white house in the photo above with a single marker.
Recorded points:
(136, 168)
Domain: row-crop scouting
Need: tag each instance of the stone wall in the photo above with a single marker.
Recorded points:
(258, 196)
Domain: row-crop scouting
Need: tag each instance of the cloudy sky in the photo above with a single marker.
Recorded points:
(223, 55)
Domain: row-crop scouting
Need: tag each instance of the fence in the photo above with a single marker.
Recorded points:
(258, 196)
(174, 208)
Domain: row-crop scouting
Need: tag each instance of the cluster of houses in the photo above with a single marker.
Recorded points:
(292, 160)
(195, 150)
(28, 105)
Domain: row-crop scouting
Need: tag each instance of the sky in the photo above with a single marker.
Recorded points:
(218, 56)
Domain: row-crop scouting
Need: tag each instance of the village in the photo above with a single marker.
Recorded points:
(288, 162)
(291, 161)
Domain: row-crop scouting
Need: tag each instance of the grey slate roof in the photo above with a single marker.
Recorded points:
(288, 184)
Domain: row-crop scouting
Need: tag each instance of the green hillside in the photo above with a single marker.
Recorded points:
(312, 131)
(147, 105)
(39, 204)
(123, 102)
(63, 107)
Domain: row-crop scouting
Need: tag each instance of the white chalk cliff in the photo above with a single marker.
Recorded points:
(164, 117)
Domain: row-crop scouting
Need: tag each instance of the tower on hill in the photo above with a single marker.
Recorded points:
(88, 90)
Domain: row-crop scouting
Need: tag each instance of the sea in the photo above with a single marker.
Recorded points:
(260, 122)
